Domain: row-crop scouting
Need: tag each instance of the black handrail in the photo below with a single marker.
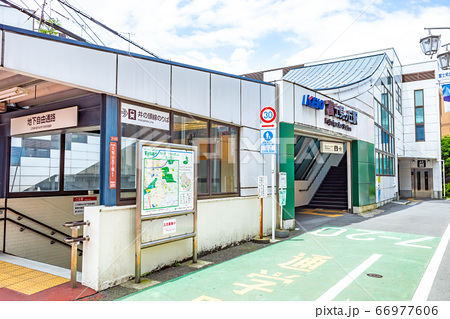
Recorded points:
(37, 222)
(314, 179)
(38, 232)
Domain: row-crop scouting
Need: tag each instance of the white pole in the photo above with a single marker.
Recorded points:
(273, 197)
(443, 177)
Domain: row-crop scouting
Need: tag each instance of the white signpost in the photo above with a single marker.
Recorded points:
(269, 146)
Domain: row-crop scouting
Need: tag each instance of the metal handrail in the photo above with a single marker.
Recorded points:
(36, 221)
(38, 232)
(75, 240)
(317, 174)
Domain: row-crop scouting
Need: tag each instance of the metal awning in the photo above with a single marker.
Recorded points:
(334, 75)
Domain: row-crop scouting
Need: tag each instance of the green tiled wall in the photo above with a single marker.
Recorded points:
(286, 160)
(363, 173)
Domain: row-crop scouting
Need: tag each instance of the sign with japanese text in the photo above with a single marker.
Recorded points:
(112, 164)
(167, 180)
(47, 121)
(136, 115)
(268, 141)
(262, 186)
(331, 147)
(169, 226)
(80, 202)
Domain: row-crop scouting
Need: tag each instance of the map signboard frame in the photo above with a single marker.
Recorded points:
(166, 187)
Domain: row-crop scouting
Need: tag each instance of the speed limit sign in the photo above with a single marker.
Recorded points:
(268, 114)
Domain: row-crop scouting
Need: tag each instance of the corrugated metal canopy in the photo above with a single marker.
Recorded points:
(336, 74)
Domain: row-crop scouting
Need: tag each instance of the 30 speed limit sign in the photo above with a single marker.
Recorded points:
(268, 114)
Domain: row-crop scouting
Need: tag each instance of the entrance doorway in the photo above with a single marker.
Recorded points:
(422, 182)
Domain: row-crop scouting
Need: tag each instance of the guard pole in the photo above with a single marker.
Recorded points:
(273, 197)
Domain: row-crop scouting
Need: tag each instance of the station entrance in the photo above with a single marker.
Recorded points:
(321, 173)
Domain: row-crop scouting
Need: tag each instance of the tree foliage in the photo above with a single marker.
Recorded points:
(49, 30)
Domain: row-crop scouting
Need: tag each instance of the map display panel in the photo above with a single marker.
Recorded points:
(168, 180)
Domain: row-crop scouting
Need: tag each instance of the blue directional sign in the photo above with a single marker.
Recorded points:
(268, 141)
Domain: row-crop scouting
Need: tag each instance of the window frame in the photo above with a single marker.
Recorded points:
(416, 107)
(60, 191)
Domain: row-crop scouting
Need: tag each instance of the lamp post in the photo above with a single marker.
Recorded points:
(430, 46)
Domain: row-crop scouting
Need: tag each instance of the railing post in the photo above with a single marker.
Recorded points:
(75, 241)
(74, 258)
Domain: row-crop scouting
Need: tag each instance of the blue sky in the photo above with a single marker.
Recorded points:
(238, 36)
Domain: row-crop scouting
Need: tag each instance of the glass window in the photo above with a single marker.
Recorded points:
(420, 133)
(35, 163)
(224, 164)
(130, 134)
(190, 131)
(419, 115)
(418, 98)
(82, 162)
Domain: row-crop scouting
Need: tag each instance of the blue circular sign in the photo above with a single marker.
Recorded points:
(268, 136)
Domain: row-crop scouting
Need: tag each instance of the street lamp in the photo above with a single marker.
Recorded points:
(430, 46)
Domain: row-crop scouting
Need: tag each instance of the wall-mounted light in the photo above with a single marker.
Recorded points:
(444, 59)
(430, 44)
(12, 93)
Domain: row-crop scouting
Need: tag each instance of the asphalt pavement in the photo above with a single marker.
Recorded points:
(407, 235)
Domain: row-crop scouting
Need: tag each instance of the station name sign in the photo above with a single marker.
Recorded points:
(340, 112)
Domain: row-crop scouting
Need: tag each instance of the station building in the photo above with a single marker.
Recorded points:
(354, 133)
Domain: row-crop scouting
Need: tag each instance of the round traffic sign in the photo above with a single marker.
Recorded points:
(268, 114)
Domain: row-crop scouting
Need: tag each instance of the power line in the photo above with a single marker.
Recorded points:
(105, 27)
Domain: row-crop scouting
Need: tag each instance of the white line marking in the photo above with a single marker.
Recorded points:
(387, 237)
(347, 280)
(424, 288)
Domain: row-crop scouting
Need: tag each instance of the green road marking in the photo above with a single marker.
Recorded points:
(306, 267)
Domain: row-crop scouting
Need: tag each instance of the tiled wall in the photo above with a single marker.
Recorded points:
(363, 173)
(286, 160)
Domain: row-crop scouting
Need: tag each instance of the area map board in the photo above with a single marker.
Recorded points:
(168, 179)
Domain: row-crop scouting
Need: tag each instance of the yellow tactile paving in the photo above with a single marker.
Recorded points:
(26, 280)
(327, 213)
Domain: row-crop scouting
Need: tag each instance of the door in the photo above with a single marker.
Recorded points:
(422, 183)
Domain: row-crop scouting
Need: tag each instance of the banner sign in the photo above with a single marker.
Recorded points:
(167, 180)
(446, 94)
(136, 115)
(47, 121)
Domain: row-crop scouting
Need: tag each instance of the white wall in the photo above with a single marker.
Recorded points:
(108, 258)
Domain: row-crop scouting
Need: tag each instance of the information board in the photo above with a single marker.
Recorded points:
(167, 180)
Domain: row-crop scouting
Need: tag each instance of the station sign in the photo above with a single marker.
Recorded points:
(313, 102)
(331, 147)
(268, 141)
(142, 116)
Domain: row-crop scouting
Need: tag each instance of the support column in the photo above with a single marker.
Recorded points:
(109, 150)
(286, 160)
(363, 176)
(4, 152)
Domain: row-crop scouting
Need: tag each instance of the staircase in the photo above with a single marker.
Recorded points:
(332, 193)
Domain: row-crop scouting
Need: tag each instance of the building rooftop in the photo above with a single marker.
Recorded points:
(333, 75)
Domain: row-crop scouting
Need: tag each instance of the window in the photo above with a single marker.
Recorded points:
(82, 162)
(398, 97)
(34, 165)
(130, 134)
(419, 115)
(384, 126)
(217, 153)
